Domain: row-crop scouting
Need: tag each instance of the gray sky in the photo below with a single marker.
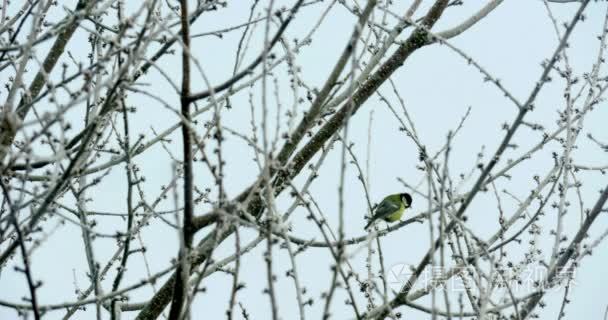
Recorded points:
(438, 86)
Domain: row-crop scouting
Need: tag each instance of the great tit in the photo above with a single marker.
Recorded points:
(391, 208)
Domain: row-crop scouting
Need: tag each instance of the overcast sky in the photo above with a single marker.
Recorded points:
(438, 87)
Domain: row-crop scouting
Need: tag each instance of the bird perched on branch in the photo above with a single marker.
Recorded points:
(391, 208)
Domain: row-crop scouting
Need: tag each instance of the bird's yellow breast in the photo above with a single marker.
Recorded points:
(395, 215)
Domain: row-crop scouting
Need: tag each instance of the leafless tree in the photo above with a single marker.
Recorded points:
(122, 146)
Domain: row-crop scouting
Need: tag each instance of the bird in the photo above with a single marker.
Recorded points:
(391, 208)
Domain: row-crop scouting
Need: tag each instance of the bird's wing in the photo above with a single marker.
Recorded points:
(385, 208)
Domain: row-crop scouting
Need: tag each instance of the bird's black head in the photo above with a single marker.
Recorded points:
(407, 199)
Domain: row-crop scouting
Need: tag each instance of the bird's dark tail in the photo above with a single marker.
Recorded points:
(368, 224)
